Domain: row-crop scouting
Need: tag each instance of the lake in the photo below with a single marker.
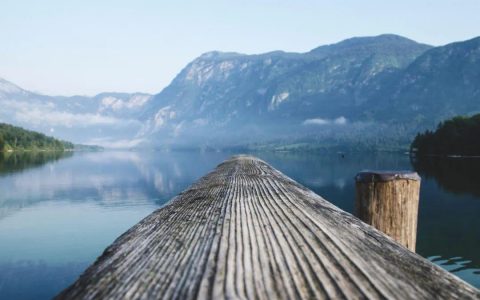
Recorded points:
(58, 212)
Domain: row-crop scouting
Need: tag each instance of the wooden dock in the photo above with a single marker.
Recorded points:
(246, 231)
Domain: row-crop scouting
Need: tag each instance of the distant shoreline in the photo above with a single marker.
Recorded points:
(446, 155)
(50, 150)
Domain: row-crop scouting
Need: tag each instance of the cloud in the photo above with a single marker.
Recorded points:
(115, 144)
(340, 121)
(319, 121)
(57, 118)
(46, 115)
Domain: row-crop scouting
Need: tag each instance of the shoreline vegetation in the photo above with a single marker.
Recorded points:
(17, 139)
(454, 138)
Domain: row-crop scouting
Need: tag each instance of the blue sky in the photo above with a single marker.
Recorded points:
(61, 47)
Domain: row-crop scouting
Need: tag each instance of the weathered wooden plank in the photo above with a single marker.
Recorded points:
(247, 231)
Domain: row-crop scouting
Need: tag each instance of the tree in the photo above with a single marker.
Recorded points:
(457, 136)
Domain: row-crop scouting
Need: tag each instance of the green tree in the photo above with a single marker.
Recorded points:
(457, 136)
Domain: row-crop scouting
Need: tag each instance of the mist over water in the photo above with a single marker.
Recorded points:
(58, 213)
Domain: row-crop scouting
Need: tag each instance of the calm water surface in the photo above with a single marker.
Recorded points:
(59, 212)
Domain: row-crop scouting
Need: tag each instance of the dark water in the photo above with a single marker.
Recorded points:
(58, 212)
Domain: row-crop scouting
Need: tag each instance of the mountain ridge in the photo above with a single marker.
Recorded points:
(375, 91)
(105, 118)
(267, 84)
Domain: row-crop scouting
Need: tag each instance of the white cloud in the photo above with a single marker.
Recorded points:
(115, 144)
(319, 121)
(43, 114)
(316, 121)
(340, 120)
(57, 118)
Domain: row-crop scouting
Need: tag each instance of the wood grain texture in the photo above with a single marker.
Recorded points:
(246, 231)
(390, 205)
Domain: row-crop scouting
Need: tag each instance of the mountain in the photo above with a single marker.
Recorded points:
(224, 98)
(366, 92)
(106, 119)
(439, 84)
(374, 92)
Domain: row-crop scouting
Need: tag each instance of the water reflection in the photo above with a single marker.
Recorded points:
(57, 216)
(107, 178)
(456, 175)
(450, 226)
(11, 162)
(331, 175)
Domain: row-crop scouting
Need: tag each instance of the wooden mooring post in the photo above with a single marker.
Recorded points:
(388, 200)
(246, 231)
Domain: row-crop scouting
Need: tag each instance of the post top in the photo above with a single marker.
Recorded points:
(381, 176)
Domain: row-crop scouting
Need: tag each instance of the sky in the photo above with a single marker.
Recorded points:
(60, 47)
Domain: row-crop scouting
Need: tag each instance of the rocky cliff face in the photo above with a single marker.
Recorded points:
(273, 95)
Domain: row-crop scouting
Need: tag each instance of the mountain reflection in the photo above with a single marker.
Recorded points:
(11, 162)
(111, 179)
(456, 175)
